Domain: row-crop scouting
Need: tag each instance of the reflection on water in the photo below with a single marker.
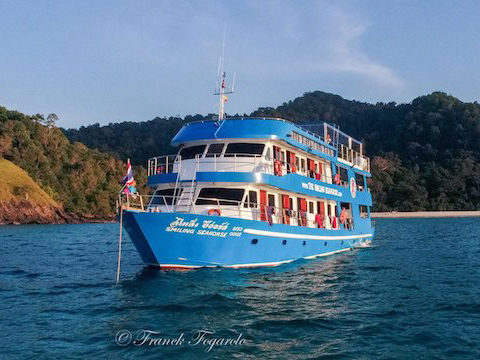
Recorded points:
(414, 292)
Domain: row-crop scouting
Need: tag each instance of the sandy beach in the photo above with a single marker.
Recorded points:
(425, 214)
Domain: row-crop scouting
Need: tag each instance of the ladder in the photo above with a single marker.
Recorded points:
(187, 194)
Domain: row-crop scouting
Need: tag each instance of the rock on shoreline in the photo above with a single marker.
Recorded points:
(24, 212)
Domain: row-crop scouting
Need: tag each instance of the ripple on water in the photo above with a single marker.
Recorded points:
(409, 295)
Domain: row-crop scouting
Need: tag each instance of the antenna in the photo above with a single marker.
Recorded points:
(222, 90)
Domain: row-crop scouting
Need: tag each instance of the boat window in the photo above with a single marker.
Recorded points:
(222, 196)
(271, 200)
(251, 200)
(360, 180)
(267, 154)
(363, 211)
(191, 151)
(310, 207)
(214, 150)
(164, 197)
(345, 205)
(244, 149)
(343, 174)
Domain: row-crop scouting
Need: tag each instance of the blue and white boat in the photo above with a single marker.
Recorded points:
(248, 192)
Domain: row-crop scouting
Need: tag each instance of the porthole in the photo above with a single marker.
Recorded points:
(325, 243)
(304, 243)
(254, 241)
(284, 242)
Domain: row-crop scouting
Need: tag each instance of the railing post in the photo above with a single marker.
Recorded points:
(234, 162)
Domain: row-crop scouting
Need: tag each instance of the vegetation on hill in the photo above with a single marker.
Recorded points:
(425, 154)
(22, 200)
(81, 180)
(16, 185)
(137, 141)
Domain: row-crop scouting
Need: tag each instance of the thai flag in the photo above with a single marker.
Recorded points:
(128, 179)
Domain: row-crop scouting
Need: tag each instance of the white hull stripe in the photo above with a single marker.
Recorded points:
(304, 236)
(252, 264)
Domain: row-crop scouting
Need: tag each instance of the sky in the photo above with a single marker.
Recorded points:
(114, 60)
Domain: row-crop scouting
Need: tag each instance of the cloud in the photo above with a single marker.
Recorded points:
(342, 53)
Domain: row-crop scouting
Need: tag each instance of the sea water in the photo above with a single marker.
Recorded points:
(415, 293)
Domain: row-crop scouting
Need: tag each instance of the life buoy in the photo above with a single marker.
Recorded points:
(336, 179)
(214, 211)
(277, 168)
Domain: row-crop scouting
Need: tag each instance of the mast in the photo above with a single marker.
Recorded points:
(222, 91)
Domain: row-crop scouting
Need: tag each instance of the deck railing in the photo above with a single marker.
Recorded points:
(232, 208)
(163, 164)
(354, 157)
(232, 162)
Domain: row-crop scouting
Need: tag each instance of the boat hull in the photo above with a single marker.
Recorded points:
(184, 241)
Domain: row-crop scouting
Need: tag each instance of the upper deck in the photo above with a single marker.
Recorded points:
(329, 142)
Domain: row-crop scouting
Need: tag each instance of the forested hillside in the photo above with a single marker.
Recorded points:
(83, 181)
(425, 154)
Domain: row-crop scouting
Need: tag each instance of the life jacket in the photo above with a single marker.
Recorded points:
(336, 179)
(277, 168)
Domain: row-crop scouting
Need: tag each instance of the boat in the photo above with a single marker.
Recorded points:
(251, 192)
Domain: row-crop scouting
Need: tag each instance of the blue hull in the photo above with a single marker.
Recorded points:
(178, 240)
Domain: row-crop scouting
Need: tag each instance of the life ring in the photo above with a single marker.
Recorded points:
(277, 167)
(215, 211)
(336, 179)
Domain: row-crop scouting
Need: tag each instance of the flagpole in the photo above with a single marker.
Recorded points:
(120, 242)
(121, 226)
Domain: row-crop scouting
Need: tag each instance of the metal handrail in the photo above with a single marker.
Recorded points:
(129, 203)
(162, 164)
(267, 164)
(354, 157)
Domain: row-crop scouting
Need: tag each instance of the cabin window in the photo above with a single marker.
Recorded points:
(363, 211)
(345, 205)
(343, 174)
(214, 150)
(360, 180)
(244, 149)
(164, 197)
(310, 207)
(215, 196)
(191, 151)
(271, 200)
(251, 200)
(268, 154)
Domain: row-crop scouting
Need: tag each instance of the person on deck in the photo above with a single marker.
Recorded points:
(319, 220)
(343, 217)
(270, 213)
(334, 222)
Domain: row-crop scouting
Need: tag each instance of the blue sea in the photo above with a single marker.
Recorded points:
(414, 294)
